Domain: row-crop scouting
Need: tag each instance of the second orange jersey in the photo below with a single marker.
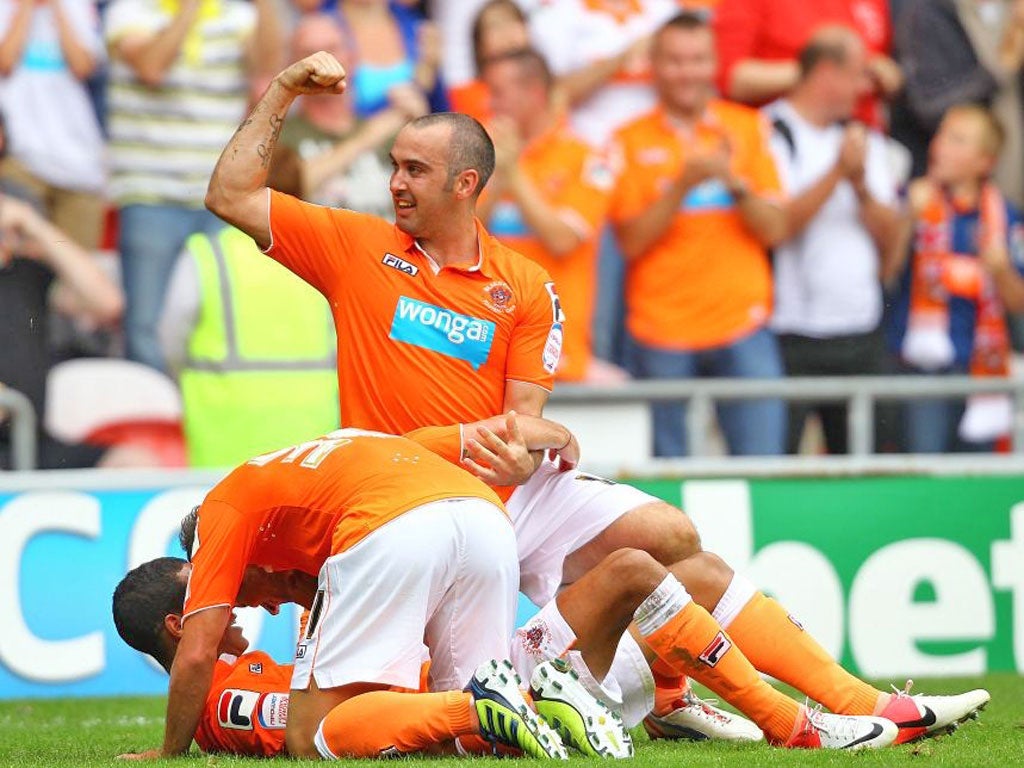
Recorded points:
(293, 508)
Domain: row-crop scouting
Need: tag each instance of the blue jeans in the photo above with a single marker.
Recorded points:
(751, 427)
(608, 324)
(151, 239)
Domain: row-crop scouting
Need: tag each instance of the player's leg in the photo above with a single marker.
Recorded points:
(777, 645)
(629, 585)
(365, 634)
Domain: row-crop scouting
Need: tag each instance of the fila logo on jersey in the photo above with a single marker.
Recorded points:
(444, 331)
(716, 649)
(235, 709)
(390, 260)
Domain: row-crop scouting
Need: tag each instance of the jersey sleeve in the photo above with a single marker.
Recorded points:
(313, 241)
(759, 167)
(446, 442)
(584, 203)
(536, 344)
(630, 195)
(219, 557)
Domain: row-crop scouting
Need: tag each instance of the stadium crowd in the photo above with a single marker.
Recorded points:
(764, 188)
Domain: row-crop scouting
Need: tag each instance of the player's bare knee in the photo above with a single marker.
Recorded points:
(632, 574)
(674, 535)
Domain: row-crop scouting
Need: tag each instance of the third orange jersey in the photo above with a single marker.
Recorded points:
(706, 282)
(418, 345)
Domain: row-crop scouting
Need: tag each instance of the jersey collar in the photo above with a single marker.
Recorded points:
(485, 247)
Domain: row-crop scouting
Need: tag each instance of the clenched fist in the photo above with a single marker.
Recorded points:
(319, 73)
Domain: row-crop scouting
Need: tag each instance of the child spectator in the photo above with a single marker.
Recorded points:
(965, 272)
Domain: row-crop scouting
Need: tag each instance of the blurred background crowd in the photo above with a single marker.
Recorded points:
(733, 188)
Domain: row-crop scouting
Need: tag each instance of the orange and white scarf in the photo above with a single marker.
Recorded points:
(938, 274)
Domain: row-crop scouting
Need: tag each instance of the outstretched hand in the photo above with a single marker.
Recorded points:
(500, 460)
(318, 73)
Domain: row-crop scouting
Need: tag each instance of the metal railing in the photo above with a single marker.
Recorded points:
(23, 428)
(860, 393)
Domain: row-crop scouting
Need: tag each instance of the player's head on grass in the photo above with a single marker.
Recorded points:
(146, 600)
(148, 606)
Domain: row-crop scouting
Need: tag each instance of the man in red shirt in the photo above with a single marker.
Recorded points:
(759, 42)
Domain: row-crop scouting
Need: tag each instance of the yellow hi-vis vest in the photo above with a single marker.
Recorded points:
(260, 372)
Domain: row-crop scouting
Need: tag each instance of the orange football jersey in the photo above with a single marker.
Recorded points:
(247, 709)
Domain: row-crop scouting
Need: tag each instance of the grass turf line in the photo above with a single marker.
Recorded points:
(89, 732)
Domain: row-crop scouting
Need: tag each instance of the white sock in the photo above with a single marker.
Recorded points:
(741, 591)
(668, 599)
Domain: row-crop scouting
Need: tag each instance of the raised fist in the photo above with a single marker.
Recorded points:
(319, 73)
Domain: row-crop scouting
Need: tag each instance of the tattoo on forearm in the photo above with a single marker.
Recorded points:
(266, 149)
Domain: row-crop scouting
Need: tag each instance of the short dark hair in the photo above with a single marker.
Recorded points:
(828, 44)
(687, 21)
(532, 65)
(141, 601)
(187, 534)
(469, 146)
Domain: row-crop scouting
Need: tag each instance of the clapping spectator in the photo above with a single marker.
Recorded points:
(393, 46)
(345, 157)
(962, 51)
(842, 227)
(759, 42)
(180, 79)
(965, 273)
(48, 49)
(697, 205)
(548, 198)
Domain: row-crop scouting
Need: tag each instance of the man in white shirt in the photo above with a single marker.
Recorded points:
(842, 226)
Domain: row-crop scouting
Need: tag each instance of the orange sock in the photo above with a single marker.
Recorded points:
(690, 641)
(383, 723)
(779, 646)
(669, 687)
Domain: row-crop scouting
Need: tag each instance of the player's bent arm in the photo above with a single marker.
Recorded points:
(238, 187)
(191, 676)
(525, 398)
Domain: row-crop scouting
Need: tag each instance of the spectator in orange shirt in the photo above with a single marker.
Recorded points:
(696, 207)
(548, 198)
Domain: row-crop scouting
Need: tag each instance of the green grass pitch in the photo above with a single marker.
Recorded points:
(90, 732)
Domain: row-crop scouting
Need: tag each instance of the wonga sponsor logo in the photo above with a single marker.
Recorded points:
(443, 331)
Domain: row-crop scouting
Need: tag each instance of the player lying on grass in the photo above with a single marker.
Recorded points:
(246, 711)
(409, 551)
